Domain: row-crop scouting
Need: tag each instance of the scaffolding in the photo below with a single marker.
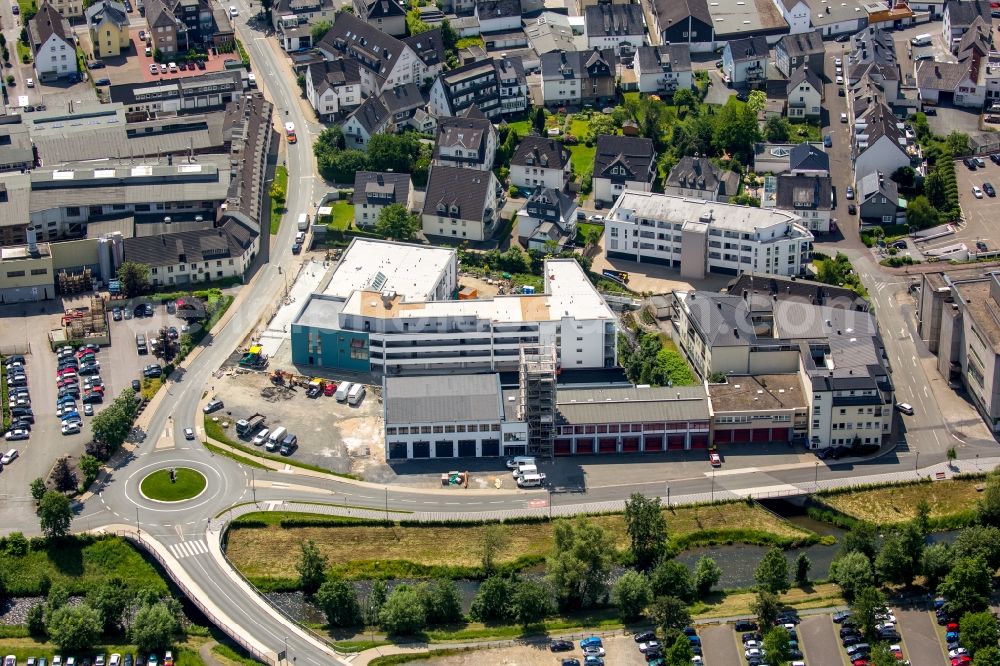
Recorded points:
(537, 397)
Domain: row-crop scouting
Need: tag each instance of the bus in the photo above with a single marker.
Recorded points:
(290, 132)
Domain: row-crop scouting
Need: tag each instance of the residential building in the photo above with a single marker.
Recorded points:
(871, 70)
(834, 18)
(389, 16)
(540, 162)
(407, 109)
(387, 311)
(366, 121)
(702, 237)
(796, 14)
(496, 87)
(384, 61)
(954, 80)
(878, 199)
(803, 49)
(107, 22)
(808, 196)
(373, 191)
(705, 25)
(663, 69)
(52, 44)
(578, 77)
(620, 163)
(775, 158)
(291, 12)
(697, 177)
(959, 15)
(333, 87)
(468, 141)
(548, 216)
(461, 203)
(805, 95)
(808, 159)
(190, 257)
(811, 335)
(197, 94)
(878, 143)
(744, 61)
(552, 32)
(498, 15)
(957, 314)
(203, 22)
(617, 27)
(168, 34)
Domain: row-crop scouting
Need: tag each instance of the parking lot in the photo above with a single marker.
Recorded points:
(980, 218)
(331, 434)
(621, 651)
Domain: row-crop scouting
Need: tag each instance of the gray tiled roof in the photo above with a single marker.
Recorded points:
(803, 44)
(807, 157)
(454, 186)
(375, 9)
(671, 12)
(334, 73)
(607, 20)
(439, 398)
(574, 64)
(804, 74)
(372, 115)
(402, 98)
(695, 173)
(653, 58)
(47, 22)
(229, 240)
(397, 185)
(113, 10)
(542, 151)
(624, 404)
(797, 193)
(636, 154)
(964, 12)
(469, 132)
(487, 9)
(748, 48)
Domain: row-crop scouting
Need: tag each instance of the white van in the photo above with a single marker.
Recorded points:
(274, 439)
(523, 470)
(514, 462)
(530, 480)
(921, 40)
(342, 391)
(303, 221)
(356, 395)
(261, 437)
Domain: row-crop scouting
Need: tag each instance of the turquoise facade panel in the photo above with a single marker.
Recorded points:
(330, 348)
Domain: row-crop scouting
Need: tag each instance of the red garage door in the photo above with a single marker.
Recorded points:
(607, 445)
(699, 441)
(675, 442)
(585, 445)
(563, 447)
(652, 443)
(761, 435)
(723, 436)
(780, 434)
(631, 444)
(741, 436)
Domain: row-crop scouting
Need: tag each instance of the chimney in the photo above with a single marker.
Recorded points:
(32, 240)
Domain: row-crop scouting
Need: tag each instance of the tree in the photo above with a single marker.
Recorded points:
(802, 566)
(936, 563)
(979, 630)
(532, 602)
(36, 620)
(756, 101)
(865, 605)
(449, 38)
(112, 425)
(772, 572)
(414, 22)
(403, 612)
(647, 529)
(765, 606)
(777, 646)
(631, 594)
(735, 130)
(339, 602)
(37, 489)
(62, 476)
(988, 506)
(16, 545)
(134, 278)
(110, 598)
(679, 653)
(311, 567)
(920, 214)
(600, 124)
(54, 514)
(851, 572)
(580, 567)
(672, 578)
(74, 628)
(777, 129)
(397, 223)
(374, 601)
(319, 30)
(492, 602)
(491, 543)
(988, 656)
(669, 613)
(922, 520)
(684, 98)
(706, 574)
(91, 467)
(154, 627)
(936, 189)
(538, 120)
(340, 166)
(893, 563)
(393, 152)
(442, 601)
(979, 541)
(861, 537)
(958, 142)
(967, 586)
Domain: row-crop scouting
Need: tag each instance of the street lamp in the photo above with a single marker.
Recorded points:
(713, 485)
(667, 487)
(816, 479)
(916, 462)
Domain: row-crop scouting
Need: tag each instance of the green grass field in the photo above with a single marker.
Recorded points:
(278, 207)
(582, 157)
(342, 215)
(158, 486)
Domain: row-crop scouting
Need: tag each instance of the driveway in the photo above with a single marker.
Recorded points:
(720, 644)
(921, 638)
(818, 638)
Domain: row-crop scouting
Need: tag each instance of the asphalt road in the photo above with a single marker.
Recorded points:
(818, 641)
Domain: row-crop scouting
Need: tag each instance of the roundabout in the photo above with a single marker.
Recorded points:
(173, 484)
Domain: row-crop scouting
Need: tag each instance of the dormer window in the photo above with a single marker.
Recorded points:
(454, 210)
(442, 209)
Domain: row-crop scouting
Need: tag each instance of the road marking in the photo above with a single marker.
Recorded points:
(497, 502)
(188, 548)
(926, 393)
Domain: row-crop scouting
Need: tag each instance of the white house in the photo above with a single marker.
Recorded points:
(540, 162)
(333, 86)
(620, 163)
(373, 191)
(548, 216)
(878, 143)
(366, 121)
(805, 94)
(796, 14)
(498, 15)
(663, 69)
(618, 27)
(461, 203)
(697, 177)
(809, 197)
(745, 60)
(467, 141)
(52, 43)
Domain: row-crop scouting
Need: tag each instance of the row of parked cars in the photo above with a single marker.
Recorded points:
(18, 399)
(100, 660)
(957, 653)
(649, 647)
(74, 364)
(857, 648)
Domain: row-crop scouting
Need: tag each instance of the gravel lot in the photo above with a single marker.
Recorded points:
(621, 652)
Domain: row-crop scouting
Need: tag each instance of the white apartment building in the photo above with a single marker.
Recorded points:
(701, 237)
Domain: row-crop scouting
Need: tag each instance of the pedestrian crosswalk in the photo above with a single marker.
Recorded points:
(186, 548)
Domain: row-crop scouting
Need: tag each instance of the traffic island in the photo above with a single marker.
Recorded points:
(173, 484)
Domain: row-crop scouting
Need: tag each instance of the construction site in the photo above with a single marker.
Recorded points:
(81, 325)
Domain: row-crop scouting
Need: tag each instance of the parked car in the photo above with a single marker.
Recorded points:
(850, 193)
(905, 408)
(976, 192)
(644, 636)
(8, 457)
(216, 405)
(560, 646)
(16, 434)
(988, 188)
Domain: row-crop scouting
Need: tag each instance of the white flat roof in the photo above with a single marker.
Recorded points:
(666, 207)
(412, 271)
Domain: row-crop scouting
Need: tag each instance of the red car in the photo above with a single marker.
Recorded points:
(952, 626)
(329, 389)
(964, 660)
(859, 662)
(715, 459)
